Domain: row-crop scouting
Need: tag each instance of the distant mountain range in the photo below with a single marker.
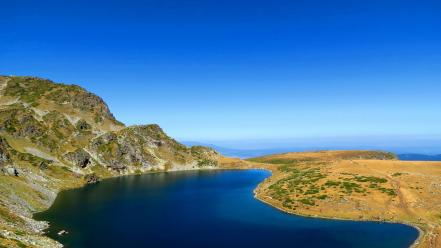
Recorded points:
(239, 153)
(250, 153)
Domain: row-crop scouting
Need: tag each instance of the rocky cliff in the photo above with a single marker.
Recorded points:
(56, 136)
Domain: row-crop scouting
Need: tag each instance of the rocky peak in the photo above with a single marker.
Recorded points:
(43, 93)
(77, 127)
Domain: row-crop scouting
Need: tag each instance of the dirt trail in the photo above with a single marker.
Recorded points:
(403, 202)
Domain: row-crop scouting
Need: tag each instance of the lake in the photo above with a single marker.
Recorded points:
(200, 209)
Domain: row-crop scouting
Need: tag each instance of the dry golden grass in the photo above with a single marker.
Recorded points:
(365, 189)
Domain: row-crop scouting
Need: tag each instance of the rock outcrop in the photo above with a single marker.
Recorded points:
(79, 158)
(6, 166)
(4, 153)
(146, 148)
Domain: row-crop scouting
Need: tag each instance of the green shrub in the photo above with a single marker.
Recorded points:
(307, 201)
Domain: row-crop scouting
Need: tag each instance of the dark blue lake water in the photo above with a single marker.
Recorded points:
(200, 209)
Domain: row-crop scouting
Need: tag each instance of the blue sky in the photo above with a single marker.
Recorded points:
(209, 70)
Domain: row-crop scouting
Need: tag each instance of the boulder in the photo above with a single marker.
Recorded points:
(9, 170)
(91, 178)
(79, 158)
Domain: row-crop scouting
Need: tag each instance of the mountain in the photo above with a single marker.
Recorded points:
(55, 136)
(419, 157)
(240, 153)
(252, 153)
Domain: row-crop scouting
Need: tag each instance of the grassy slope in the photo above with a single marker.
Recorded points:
(358, 185)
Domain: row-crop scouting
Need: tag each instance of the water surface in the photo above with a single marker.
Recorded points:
(200, 209)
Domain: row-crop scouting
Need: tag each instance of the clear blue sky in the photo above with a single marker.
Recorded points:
(229, 70)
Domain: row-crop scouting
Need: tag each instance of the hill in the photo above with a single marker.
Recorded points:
(55, 136)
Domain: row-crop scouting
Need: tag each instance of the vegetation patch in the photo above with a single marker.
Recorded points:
(370, 179)
(349, 187)
(331, 183)
(28, 89)
(303, 184)
(307, 201)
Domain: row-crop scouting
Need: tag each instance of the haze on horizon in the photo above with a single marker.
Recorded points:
(243, 70)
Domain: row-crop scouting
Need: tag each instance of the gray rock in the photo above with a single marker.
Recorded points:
(79, 158)
(91, 178)
(9, 170)
(44, 165)
(5, 159)
(87, 101)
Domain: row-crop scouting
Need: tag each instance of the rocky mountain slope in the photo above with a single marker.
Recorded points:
(56, 136)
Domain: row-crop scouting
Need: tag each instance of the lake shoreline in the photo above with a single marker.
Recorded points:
(258, 196)
(423, 231)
